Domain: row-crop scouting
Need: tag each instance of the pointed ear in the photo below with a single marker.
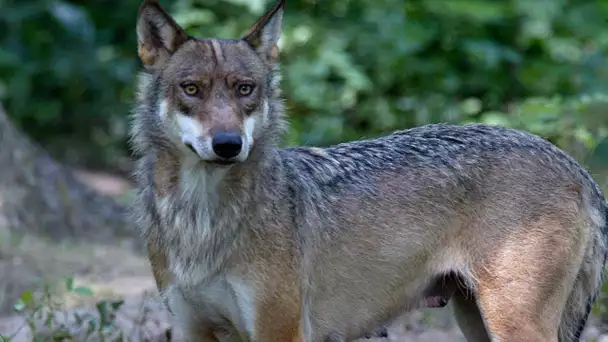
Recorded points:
(265, 34)
(158, 35)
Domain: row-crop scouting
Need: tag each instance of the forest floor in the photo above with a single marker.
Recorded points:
(116, 272)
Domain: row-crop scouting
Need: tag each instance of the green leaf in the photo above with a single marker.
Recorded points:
(84, 291)
(19, 306)
(26, 299)
(69, 284)
(117, 304)
(102, 308)
(48, 322)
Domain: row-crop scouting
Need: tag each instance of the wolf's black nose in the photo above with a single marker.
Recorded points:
(227, 145)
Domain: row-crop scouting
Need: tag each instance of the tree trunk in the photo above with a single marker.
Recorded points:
(42, 197)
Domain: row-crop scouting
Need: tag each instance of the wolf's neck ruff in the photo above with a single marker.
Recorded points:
(212, 205)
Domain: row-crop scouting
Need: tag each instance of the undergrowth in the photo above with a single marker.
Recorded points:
(48, 318)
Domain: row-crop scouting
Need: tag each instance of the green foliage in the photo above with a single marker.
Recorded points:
(66, 72)
(575, 123)
(47, 319)
(352, 68)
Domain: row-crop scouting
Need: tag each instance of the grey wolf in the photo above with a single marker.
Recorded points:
(252, 242)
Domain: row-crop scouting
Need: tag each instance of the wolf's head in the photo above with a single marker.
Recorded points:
(211, 99)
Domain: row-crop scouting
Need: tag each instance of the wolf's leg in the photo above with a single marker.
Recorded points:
(523, 284)
(278, 306)
(278, 322)
(469, 318)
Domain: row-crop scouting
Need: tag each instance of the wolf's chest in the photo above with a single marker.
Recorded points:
(199, 238)
(227, 300)
(187, 232)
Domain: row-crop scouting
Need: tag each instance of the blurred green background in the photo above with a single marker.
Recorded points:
(352, 68)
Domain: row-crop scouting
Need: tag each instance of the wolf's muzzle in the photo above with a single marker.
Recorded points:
(227, 145)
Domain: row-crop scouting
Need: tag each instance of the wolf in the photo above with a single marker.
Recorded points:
(249, 241)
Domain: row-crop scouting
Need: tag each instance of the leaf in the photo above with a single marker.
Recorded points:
(19, 306)
(117, 304)
(84, 291)
(26, 299)
(69, 284)
(102, 308)
(48, 322)
(91, 326)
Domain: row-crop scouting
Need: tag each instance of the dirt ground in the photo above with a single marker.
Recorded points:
(115, 272)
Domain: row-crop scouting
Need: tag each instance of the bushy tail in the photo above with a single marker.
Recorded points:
(587, 285)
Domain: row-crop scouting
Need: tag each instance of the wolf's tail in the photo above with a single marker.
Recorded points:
(588, 282)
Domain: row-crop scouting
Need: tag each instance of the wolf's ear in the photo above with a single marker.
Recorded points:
(158, 35)
(265, 34)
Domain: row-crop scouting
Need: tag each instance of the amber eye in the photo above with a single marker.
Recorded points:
(190, 89)
(245, 89)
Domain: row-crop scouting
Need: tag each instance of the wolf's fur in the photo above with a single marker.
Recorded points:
(311, 244)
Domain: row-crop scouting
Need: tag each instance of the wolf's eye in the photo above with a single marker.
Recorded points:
(190, 89)
(244, 89)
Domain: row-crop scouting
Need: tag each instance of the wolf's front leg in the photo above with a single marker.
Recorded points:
(271, 306)
(192, 320)
(279, 318)
(200, 335)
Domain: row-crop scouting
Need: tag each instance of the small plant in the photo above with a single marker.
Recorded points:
(48, 319)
